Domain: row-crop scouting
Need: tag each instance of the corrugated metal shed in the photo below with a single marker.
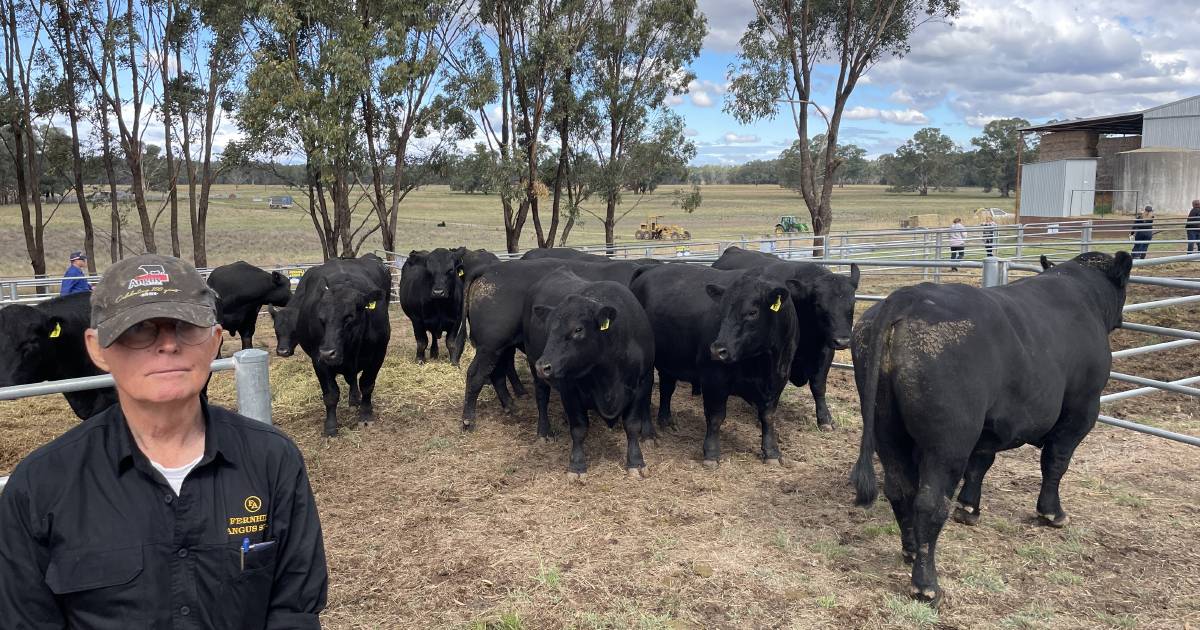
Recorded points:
(1174, 125)
(1062, 188)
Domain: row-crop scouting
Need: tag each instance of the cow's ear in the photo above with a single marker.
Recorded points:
(541, 312)
(855, 274)
(1121, 268)
(1046, 264)
(280, 278)
(776, 298)
(799, 289)
(605, 317)
(715, 291)
(416, 256)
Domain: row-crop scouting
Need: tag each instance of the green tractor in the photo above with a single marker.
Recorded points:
(789, 224)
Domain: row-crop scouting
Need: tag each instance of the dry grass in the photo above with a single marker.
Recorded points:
(427, 527)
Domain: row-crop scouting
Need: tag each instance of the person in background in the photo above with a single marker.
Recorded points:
(73, 279)
(1142, 232)
(161, 511)
(1193, 227)
(989, 234)
(958, 240)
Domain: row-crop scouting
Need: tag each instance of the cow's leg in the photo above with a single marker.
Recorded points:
(478, 374)
(666, 389)
(770, 443)
(1056, 457)
(507, 358)
(900, 487)
(433, 347)
(642, 409)
(456, 344)
(541, 393)
(514, 380)
(246, 331)
(940, 474)
(578, 421)
(967, 511)
(330, 393)
(634, 421)
(816, 385)
(419, 333)
(714, 416)
(366, 381)
(350, 373)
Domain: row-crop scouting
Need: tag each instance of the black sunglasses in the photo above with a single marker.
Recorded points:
(144, 334)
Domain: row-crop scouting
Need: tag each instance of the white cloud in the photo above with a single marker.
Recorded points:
(981, 120)
(733, 138)
(701, 99)
(727, 20)
(897, 116)
(690, 133)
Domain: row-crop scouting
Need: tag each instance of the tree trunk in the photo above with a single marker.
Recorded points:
(610, 223)
(68, 62)
(172, 183)
(185, 136)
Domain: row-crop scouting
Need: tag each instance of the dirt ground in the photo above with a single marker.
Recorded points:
(427, 527)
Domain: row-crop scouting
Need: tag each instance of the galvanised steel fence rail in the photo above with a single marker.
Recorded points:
(251, 377)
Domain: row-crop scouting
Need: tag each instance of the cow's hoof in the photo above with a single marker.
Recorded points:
(711, 463)
(1057, 522)
(366, 425)
(577, 477)
(454, 364)
(650, 441)
(772, 461)
(966, 515)
(909, 557)
(637, 473)
(931, 596)
(546, 439)
(330, 434)
(468, 426)
(825, 427)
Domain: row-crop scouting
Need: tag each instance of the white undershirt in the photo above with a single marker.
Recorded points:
(175, 476)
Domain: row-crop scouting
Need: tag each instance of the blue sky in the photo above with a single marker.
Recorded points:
(1037, 59)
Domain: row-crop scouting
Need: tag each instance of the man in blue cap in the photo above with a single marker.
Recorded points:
(73, 280)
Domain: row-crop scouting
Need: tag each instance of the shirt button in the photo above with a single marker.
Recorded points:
(183, 553)
(184, 610)
(168, 498)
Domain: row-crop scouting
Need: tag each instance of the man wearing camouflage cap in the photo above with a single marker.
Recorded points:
(162, 511)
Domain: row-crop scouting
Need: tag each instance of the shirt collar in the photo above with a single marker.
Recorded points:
(124, 452)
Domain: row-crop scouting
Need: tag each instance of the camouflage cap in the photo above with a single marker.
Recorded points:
(146, 287)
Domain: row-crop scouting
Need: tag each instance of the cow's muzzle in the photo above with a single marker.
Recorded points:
(331, 357)
(720, 352)
(841, 343)
(439, 293)
(544, 369)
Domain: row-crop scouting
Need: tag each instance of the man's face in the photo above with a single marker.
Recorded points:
(168, 370)
(80, 263)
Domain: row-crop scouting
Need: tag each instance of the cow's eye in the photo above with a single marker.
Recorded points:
(578, 330)
(752, 314)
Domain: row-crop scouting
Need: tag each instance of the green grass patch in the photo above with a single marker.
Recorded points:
(985, 579)
(1036, 553)
(506, 621)
(911, 612)
(1124, 620)
(1127, 499)
(1004, 526)
(827, 601)
(549, 576)
(781, 541)
(1064, 578)
(875, 530)
(1034, 616)
(830, 549)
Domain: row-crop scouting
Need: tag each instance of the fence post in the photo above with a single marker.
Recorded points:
(937, 252)
(1020, 241)
(995, 272)
(1086, 244)
(252, 376)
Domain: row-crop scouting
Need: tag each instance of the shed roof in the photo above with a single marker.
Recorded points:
(1130, 123)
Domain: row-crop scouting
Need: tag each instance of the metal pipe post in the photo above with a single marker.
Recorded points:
(937, 252)
(1020, 240)
(252, 375)
(1086, 239)
(995, 272)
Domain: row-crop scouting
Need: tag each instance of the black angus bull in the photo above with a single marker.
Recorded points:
(339, 316)
(474, 262)
(950, 374)
(44, 342)
(824, 303)
(562, 253)
(730, 333)
(431, 293)
(242, 290)
(593, 343)
(494, 310)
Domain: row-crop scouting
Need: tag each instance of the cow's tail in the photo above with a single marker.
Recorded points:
(863, 475)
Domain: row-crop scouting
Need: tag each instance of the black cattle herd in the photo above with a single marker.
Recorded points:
(947, 374)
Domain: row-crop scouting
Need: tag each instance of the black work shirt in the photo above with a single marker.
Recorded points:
(92, 536)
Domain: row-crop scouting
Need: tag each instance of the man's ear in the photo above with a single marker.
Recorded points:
(92, 342)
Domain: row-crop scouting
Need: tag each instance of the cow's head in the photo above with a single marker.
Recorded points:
(830, 299)
(343, 309)
(1114, 270)
(27, 345)
(578, 331)
(445, 271)
(750, 311)
(284, 321)
(281, 289)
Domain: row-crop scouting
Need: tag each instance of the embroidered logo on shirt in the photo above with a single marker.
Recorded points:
(252, 504)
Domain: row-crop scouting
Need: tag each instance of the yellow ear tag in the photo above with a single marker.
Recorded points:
(461, 273)
(57, 332)
(604, 325)
(371, 305)
(778, 304)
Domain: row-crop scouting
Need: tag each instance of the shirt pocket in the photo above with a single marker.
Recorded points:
(246, 596)
(97, 581)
